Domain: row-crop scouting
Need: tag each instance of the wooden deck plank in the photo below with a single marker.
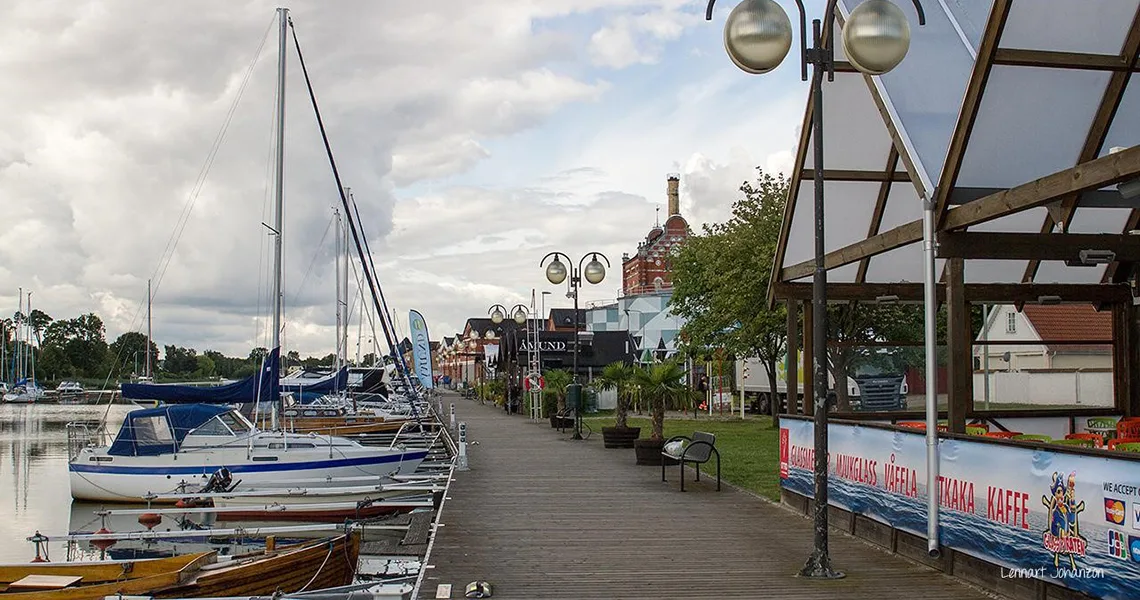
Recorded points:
(541, 516)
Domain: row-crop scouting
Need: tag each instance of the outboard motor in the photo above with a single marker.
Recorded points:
(220, 481)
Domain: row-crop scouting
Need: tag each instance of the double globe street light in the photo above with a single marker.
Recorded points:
(594, 272)
(876, 37)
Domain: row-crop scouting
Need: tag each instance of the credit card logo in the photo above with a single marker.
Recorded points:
(1114, 511)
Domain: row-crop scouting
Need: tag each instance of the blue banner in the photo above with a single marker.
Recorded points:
(421, 348)
(1069, 518)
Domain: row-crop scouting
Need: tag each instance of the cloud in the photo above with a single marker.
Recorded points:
(476, 137)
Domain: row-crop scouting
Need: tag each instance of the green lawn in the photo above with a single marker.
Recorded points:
(749, 449)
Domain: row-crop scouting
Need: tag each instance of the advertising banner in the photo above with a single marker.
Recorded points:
(1068, 518)
(421, 348)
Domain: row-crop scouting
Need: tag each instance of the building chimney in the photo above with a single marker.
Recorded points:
(674, 183)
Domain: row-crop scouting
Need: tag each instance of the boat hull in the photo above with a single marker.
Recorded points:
(133, 479)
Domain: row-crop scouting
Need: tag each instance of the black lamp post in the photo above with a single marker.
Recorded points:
(519, 313)
(876, 37)
(594, 272)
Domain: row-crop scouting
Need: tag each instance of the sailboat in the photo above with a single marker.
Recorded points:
(24, 389)
(191, 441)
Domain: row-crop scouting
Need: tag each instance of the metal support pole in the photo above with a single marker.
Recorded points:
(931, 332)
(819, 564)
(577, 387)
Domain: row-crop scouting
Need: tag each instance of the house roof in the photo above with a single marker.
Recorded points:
(1071, 323)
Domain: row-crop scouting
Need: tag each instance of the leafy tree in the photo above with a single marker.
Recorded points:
(39, 321)
(205, 366)
(83, 349)
(258, 354)
(180, 361)
(127, 347)
(720, 280)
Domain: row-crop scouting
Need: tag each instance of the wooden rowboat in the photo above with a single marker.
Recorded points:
(83, 580)
(308, 566)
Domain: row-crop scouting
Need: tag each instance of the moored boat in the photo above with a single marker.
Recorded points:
(180, 448)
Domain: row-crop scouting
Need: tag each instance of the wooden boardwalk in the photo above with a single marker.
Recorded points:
(541, 516)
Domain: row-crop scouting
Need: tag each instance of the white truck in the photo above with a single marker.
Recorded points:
(867, 389)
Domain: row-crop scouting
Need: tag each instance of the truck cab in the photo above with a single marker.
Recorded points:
(868, 388)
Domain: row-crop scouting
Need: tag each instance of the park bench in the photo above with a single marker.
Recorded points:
(700, 449)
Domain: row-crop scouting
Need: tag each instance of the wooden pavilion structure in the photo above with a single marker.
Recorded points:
(1020, 121)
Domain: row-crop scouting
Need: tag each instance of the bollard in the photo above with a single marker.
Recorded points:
(453, 416)
(461, 461)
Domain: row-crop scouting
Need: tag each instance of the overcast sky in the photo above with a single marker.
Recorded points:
(476, 137)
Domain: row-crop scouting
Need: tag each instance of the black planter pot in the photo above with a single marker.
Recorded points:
(648, 452)
(614, 437)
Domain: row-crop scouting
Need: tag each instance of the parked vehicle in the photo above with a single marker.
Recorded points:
(869, 388)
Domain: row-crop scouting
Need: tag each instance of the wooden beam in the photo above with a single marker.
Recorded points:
(880, 208)
(1035, 246)
(971, 104)
(853, 175)
(991, 293)
(793, 377)
(1017, 57)
(790, 203)
(960, 369)
(809, 351)
(1098, 131)
(1098, 173)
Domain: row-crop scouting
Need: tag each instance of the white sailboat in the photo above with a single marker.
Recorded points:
(180, 447)
(24, 389)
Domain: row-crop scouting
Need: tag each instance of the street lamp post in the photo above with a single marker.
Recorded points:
(594, 272)
(876, 36)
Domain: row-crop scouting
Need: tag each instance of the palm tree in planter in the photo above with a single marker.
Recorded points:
(557, 380)
(661, 384)
(619, 376)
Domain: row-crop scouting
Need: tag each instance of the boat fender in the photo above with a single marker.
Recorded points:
(478, 589)
(149, 520)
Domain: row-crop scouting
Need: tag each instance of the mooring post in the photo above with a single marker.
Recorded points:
(453, 416)
(461, 462)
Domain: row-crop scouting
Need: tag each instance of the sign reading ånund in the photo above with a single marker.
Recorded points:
(544, 346)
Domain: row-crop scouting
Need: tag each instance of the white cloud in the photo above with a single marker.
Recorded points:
(111, 110)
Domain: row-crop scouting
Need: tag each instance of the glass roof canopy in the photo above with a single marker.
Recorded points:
(993, 95)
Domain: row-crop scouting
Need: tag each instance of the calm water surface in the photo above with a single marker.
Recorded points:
(34, 490)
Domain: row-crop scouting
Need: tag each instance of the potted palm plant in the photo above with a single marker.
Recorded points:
(557, 381)
(619, 376)
(661, 383)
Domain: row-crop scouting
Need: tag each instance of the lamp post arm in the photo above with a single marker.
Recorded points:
(555, 255)
(593, 255)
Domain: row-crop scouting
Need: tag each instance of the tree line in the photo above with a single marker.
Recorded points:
(77, 348)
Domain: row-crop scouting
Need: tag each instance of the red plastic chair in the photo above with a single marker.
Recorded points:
(1115, 441)
(1004, 435)
(1128, 429)
(1096, 437)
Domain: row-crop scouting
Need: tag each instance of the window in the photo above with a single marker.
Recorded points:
(153, 430)
(236, 424)
(1011, 322)
(212, 427)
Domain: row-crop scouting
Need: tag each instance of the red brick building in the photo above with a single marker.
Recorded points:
(647, 271)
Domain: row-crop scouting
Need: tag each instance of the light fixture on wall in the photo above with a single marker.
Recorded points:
(1090, 258)
(1048, 300)
(890, 299)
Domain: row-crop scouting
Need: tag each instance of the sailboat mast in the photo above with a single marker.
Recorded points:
(20, 350)
(279, 204)
(344, 289)
(31, 354)
(146, 371)
(339, 304)
(283, 15)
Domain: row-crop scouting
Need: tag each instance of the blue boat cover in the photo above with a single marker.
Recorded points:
(264, 386)
(155, 431)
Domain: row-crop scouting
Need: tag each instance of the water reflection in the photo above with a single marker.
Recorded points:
(34, 490)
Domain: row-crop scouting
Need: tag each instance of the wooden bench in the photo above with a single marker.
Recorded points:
(700, 449)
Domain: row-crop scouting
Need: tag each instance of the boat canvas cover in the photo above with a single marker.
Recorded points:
(323, 385)
(155, 431)
(264, 387)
